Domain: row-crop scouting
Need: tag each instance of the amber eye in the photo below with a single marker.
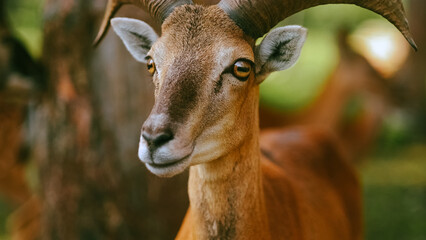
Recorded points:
(151, 66)
(242, 70)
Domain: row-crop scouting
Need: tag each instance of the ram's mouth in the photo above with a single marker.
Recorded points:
(169, 169)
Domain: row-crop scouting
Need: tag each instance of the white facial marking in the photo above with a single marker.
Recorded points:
(143, 151)
(227, 56)
(158, 117)
(169, 159)
(168, 171)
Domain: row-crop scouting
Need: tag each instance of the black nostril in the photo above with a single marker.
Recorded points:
(163, 138)
(158, 139)
(147, 137)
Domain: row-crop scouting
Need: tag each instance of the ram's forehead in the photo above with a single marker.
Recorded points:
(195, 29)
(195, 24)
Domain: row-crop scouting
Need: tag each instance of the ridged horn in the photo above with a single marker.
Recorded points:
(257, 17)
(158, 9)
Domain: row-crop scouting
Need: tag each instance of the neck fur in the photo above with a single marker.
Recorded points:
(226, 195)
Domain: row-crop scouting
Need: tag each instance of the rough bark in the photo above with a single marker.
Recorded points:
(92, 184)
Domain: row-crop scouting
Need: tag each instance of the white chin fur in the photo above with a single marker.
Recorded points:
(170, 170)
(168, 161)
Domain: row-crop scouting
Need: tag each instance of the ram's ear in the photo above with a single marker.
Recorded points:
(279, 50)
(137, 36)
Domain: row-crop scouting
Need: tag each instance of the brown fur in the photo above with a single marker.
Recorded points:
(307, 191)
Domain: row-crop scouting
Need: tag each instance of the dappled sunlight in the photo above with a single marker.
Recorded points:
(382, 45)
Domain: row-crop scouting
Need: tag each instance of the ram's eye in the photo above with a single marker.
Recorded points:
(242, 70)
(151, 66)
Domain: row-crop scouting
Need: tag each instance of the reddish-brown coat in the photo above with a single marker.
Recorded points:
(310, 189)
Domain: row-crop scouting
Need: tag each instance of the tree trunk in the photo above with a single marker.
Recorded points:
(92, 184)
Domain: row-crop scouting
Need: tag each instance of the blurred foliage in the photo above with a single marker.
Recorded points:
(5, 210)
(406, 168)
(298, 86)
(353, 109)
(395, 195)
(25, 18)
(394, 212)
(396, 133)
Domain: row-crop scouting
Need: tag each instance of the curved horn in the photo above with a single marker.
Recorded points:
(158, 9)
(257, 17)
